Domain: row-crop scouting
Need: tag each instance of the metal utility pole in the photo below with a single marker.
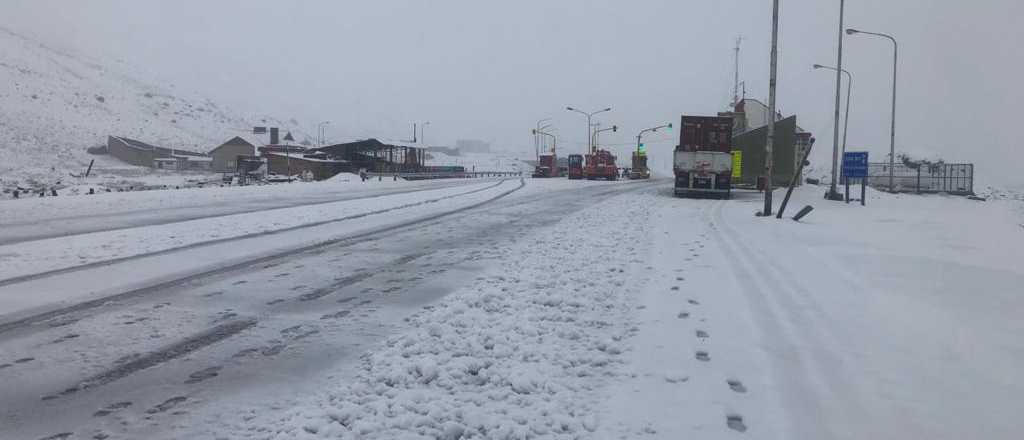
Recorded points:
(321, 133)
(769, 158)
(423, 127)
(590, 146)
(536, 137)
(849, 90)
(652, 129)
(892, 132)
(613, 129)
(832, 193)
(544, 141)
(736, 80)
(554, 140)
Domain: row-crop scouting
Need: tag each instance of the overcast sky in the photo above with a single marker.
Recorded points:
(490, 69)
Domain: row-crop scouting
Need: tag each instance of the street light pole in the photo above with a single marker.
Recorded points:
(652, 129)
(537, 139)
(321, 132)
(769, 145)
(892, 129)
(613, 129)
(849, 89)
(554, 140)
(832, 193)
(590, 146)
(423, 127)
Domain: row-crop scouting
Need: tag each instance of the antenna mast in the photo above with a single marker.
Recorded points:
(736, 78)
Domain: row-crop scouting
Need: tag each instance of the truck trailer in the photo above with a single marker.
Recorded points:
(639, 169)
(600, 165)
(547, 166)
(703, 158)
(575, 166)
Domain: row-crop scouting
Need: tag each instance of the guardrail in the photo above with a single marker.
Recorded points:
(446, 175)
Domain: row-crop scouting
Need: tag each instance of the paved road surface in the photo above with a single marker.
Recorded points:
(134, 367)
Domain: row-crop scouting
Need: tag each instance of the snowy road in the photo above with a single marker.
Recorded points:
(132, 364)
(557, 310)
(43, 218)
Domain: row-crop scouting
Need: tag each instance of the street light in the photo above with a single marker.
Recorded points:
(536, 137)
(652, 130)
(543, 142)
(423, 126)
(832, 194)
(769, 147)
(554, 141)
(613, 129)
(590, 146)
(321, 132)
(846, 123)
(892, 130)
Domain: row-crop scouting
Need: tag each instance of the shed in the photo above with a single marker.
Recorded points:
(225, 156)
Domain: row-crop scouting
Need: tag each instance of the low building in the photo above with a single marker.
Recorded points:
(320, 166)
(224, 158)
(142, 154)
(374, 155)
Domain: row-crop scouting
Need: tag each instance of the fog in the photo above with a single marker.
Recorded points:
(490, 70)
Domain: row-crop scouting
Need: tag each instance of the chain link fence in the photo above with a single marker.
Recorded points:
(952, 178)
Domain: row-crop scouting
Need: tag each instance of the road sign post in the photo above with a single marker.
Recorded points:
(855, 166)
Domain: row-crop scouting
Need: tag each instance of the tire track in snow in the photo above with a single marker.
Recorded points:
(174, 351)
(49, 273)
(37, 237)
(346, 240)
(778, 310)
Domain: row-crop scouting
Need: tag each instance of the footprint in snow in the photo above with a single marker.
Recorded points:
(736, 386)
(701, 334)
(683, 315)
(203, 374)
(693, 301)
(703, 356)
(735, 422)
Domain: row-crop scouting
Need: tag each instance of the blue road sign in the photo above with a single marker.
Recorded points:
(855, 164)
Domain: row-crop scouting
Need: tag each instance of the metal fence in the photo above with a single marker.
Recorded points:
(952, 178)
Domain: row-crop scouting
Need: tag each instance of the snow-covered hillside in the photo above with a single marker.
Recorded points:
(56, 104)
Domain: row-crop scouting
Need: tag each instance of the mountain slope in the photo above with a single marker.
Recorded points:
(56, 104)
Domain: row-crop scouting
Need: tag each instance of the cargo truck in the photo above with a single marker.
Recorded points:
(703, 158)
(639, 170)
(600, 165)
(575, 166)
(547, 166)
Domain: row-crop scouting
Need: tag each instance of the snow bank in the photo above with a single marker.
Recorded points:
(519, 353)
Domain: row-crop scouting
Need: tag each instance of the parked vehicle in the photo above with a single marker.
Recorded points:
(600, 165)
(703, 161)
(575, 166)
(639, 169)
(547, 166)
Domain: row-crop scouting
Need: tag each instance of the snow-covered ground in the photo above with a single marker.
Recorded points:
(494, 161)
(57, 104)
(654, 317)
(566, 309)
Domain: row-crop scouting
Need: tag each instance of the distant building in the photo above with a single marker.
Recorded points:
(319, 166)
(142, 154)
(224, 158)
(472, 146)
